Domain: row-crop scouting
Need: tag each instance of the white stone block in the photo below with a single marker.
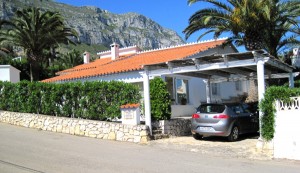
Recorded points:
(131, 115)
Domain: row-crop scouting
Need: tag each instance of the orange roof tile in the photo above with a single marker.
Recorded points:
(96, 63)
(136, 105)
(133, 62)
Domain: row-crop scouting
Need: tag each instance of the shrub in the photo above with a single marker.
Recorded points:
(160, 100)
(268, 109)
(91, 100)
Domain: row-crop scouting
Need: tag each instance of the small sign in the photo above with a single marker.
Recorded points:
(128, 114)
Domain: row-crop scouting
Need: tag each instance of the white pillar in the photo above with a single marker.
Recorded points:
(86, 57)
(147, 100)
(261, 85)
(261, 79)
(114, 51)
(208, 93)
(291, 80)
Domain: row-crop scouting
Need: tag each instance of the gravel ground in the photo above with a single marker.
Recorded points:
(215, 146)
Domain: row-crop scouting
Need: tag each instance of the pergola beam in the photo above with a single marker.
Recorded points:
(215, 73)
(203, 67)
(237, 71)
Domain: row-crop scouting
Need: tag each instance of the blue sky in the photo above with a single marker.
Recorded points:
(172, 14)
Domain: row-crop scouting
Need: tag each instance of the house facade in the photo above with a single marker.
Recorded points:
(187, 91)
(9, 73)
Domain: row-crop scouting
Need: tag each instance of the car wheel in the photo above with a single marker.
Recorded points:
(197, 136)
(234, 135)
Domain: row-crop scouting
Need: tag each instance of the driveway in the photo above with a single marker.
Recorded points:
(216, 146)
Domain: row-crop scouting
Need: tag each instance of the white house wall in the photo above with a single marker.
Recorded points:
(197, 91)
(128, 77)
(228, 90)
(9, 73)
(14, 75)
(4, 74)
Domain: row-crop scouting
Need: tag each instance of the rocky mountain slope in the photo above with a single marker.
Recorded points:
(96, 26)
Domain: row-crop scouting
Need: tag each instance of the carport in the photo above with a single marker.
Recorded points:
(217, 68)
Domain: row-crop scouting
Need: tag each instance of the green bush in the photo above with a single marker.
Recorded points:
(90, 100)
(268, 108)
(160, 100)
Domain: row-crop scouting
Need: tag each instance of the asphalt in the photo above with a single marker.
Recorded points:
(30, 150)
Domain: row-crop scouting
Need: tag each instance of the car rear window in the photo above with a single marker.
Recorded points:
(211, 108)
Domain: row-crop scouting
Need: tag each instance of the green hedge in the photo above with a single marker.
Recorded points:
(90, 100)
(268, 108)
(160, 100)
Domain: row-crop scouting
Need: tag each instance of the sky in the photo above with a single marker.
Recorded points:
(171, 14)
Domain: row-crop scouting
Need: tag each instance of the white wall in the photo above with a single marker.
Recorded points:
(9, 73)
(14, 75)
(197, 91)
(286, 138)
(128, 77)
(4, 74)
(228, 90)
(182, 110)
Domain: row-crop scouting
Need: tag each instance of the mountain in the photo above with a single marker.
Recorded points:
(97, 26)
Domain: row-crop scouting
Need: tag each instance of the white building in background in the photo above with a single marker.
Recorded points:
(296, 57)
(9, 73)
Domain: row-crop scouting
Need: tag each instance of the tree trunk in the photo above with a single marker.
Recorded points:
(34, 67)
(34, 71)
(253, 40)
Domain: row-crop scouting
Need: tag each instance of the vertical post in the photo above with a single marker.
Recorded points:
(261, 85)
(261, 79)
(291, 80)
(208, 93)
(147, 99)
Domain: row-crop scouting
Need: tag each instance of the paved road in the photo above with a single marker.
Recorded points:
(24, 150)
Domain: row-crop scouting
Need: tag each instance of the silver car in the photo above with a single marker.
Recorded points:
(228, 120)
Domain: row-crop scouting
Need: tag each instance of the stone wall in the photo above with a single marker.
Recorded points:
(80, 127)
(173, 127)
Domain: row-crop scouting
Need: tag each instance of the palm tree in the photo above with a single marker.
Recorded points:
(36, 32)
(71, 59)
(281, 18)
(257, 24)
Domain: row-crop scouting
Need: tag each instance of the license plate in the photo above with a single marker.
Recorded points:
(206, 128)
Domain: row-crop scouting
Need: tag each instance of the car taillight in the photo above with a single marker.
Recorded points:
(195, 116)
(221, 116)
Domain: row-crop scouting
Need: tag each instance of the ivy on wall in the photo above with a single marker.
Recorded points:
(268, 109)
(90, 100)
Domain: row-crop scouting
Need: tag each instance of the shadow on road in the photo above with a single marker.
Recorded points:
(224, 139)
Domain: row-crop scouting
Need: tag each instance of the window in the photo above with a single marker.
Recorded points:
(178, 89)
(182, 91)
(211, 108)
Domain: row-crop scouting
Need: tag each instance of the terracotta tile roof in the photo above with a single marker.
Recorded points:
(130, 106)
(133, 62)
(95, 64)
